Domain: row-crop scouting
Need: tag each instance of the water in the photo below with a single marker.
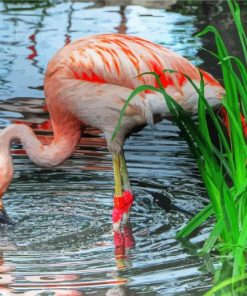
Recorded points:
(62, 242)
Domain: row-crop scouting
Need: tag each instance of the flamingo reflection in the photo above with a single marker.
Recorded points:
(33, 114)
(70, 284)
(123, 241)
(5, 277)
(8, 280)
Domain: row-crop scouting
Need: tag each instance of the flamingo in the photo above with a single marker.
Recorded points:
(86, 84)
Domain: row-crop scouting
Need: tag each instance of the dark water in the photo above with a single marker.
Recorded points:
(62, 242)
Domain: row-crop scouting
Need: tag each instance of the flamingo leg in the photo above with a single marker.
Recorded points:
(123, 200)
(124, 173)
(128, 195)
(117, 178)
(117, 213)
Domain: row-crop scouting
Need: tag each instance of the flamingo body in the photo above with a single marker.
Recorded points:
(87, 83)
(91, 78)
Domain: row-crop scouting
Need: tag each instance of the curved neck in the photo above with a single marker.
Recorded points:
(62, 146)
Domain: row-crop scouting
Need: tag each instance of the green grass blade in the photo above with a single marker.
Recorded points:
(131, 96)
(239, 149)
(235, 10)
(230, 214)
(242, 71)
(213, 237)
(209, 109)
(224, 207)
(228, 282)
(239, 253)
(203, 126)
(237, 127)
(196, 221)
(241, 190)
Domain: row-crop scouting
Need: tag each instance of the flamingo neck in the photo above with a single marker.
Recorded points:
(62, 146)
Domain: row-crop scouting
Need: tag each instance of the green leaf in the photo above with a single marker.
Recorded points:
(224, 284)
(239, 253)
(196, 221)
(214, 235)
(131, 96)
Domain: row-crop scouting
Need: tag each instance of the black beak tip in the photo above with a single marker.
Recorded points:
(4, 218)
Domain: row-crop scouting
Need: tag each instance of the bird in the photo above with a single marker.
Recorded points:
(87, 83)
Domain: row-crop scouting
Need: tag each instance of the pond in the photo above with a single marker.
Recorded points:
(62, 242)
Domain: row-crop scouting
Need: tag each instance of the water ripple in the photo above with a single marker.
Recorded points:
(63, 240)
(62, 243)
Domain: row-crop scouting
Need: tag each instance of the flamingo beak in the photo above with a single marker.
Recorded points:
(4, 217)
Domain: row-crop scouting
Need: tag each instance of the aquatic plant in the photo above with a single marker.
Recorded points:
(222, 167)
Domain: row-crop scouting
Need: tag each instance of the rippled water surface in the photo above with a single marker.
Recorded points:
(62, 242)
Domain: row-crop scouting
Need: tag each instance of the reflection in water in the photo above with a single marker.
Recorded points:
(33, 38)
(64, 284)
(69, 24)
(122, 28)
(5, 277)
(35, 35)
(123, 241)
(8, 280)
(62, 241)
(146, 3)
(63, 236)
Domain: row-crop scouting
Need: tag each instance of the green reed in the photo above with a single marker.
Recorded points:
(223, 169)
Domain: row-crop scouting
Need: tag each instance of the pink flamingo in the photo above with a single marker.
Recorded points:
(86, 84)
